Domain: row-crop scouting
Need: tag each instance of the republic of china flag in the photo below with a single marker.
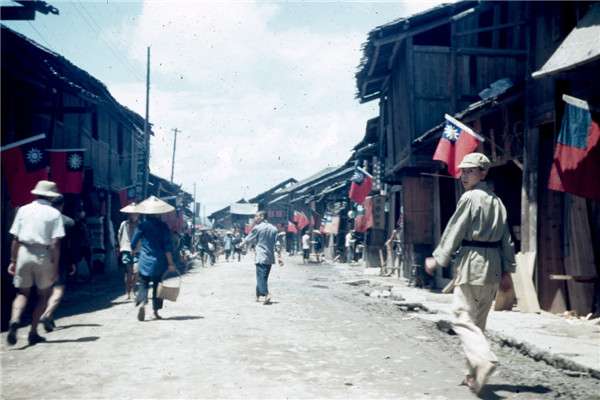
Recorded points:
(24, 164)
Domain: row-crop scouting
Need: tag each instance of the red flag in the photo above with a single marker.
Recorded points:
(456, 142)
(576, 165)
(66, 169)
(361, 185)
(127, 195)
(300, 219)
(24, 164)
(364, 216)
(291, 228)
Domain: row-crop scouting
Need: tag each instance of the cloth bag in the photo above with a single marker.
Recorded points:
(170, 293)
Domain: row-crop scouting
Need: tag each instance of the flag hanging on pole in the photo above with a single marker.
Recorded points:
(300, 219)
(322, 225)
(24, 164)
(364, 216)
(66, 169)
(127, 195)
(456, 142)
(576, 165)
(361, 185)
(291, 228)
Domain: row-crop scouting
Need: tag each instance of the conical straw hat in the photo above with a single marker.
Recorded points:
(153, 205)
(129, 209)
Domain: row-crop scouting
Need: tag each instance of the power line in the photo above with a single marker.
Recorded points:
(97, 29)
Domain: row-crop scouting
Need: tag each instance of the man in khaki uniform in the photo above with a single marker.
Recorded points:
(34, 256)
(485, 259)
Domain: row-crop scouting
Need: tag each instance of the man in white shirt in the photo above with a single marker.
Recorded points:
(305, 247)
(34, 256)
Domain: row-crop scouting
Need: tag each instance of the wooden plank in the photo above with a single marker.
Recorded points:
(552, 295)
(580, 261)
(523, 283)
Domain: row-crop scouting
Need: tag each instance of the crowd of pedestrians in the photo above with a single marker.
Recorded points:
(46, 247)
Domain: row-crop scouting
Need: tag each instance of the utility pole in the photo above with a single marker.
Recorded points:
(174, 145)
(147, 132)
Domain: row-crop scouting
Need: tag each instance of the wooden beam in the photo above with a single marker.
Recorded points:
(492, 52)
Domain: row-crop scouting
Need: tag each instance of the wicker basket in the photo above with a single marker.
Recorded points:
(168, 292)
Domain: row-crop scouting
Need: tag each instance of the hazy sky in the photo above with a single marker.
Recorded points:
(260, 91)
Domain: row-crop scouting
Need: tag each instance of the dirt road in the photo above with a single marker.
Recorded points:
(319, 338)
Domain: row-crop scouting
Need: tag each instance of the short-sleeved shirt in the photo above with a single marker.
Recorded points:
(37, 224)
(156, 242)
(126, 234)
(479, 216)
(265, 235)
(306, 241)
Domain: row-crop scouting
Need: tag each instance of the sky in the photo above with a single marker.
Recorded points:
(259, 91)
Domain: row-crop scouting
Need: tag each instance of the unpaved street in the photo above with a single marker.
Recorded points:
(320, 338)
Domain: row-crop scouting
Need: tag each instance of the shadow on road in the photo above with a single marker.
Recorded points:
(80, 340)
(489, 390)
(179, 318)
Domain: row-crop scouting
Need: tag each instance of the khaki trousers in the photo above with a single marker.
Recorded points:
(472, 305)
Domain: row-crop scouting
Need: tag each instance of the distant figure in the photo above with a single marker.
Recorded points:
(350, 246)
(318, 246)
(478, 229)
(129, 256)
(34, 254)
(227, 245)
(305, 247)
(69, 253)
(156, 256)
(265, 235)
(237, 239)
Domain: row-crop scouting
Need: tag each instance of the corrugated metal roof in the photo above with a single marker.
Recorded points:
(581, 46)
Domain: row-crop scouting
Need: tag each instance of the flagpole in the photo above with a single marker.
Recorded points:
(147, 130)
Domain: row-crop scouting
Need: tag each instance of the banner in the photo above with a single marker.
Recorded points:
(24, 164)
(127, 195)
(379, 212)
(456, 142)
(576, 165)
(332, 223)
(364, 216)
(66, 169)
(361, 185)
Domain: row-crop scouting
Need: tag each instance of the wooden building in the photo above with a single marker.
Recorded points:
(473, 61)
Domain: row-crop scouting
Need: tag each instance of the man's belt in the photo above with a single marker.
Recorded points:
(477, 243)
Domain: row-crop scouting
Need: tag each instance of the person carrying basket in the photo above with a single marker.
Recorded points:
(156, 256)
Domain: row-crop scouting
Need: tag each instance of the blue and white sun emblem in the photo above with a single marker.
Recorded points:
(358, 177)
(451, 132)
(34, 155)
(74, 161)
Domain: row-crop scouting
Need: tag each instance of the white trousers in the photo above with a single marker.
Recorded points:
(472, 304)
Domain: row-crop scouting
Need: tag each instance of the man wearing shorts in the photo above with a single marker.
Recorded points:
(34, 256)
(129, 255)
